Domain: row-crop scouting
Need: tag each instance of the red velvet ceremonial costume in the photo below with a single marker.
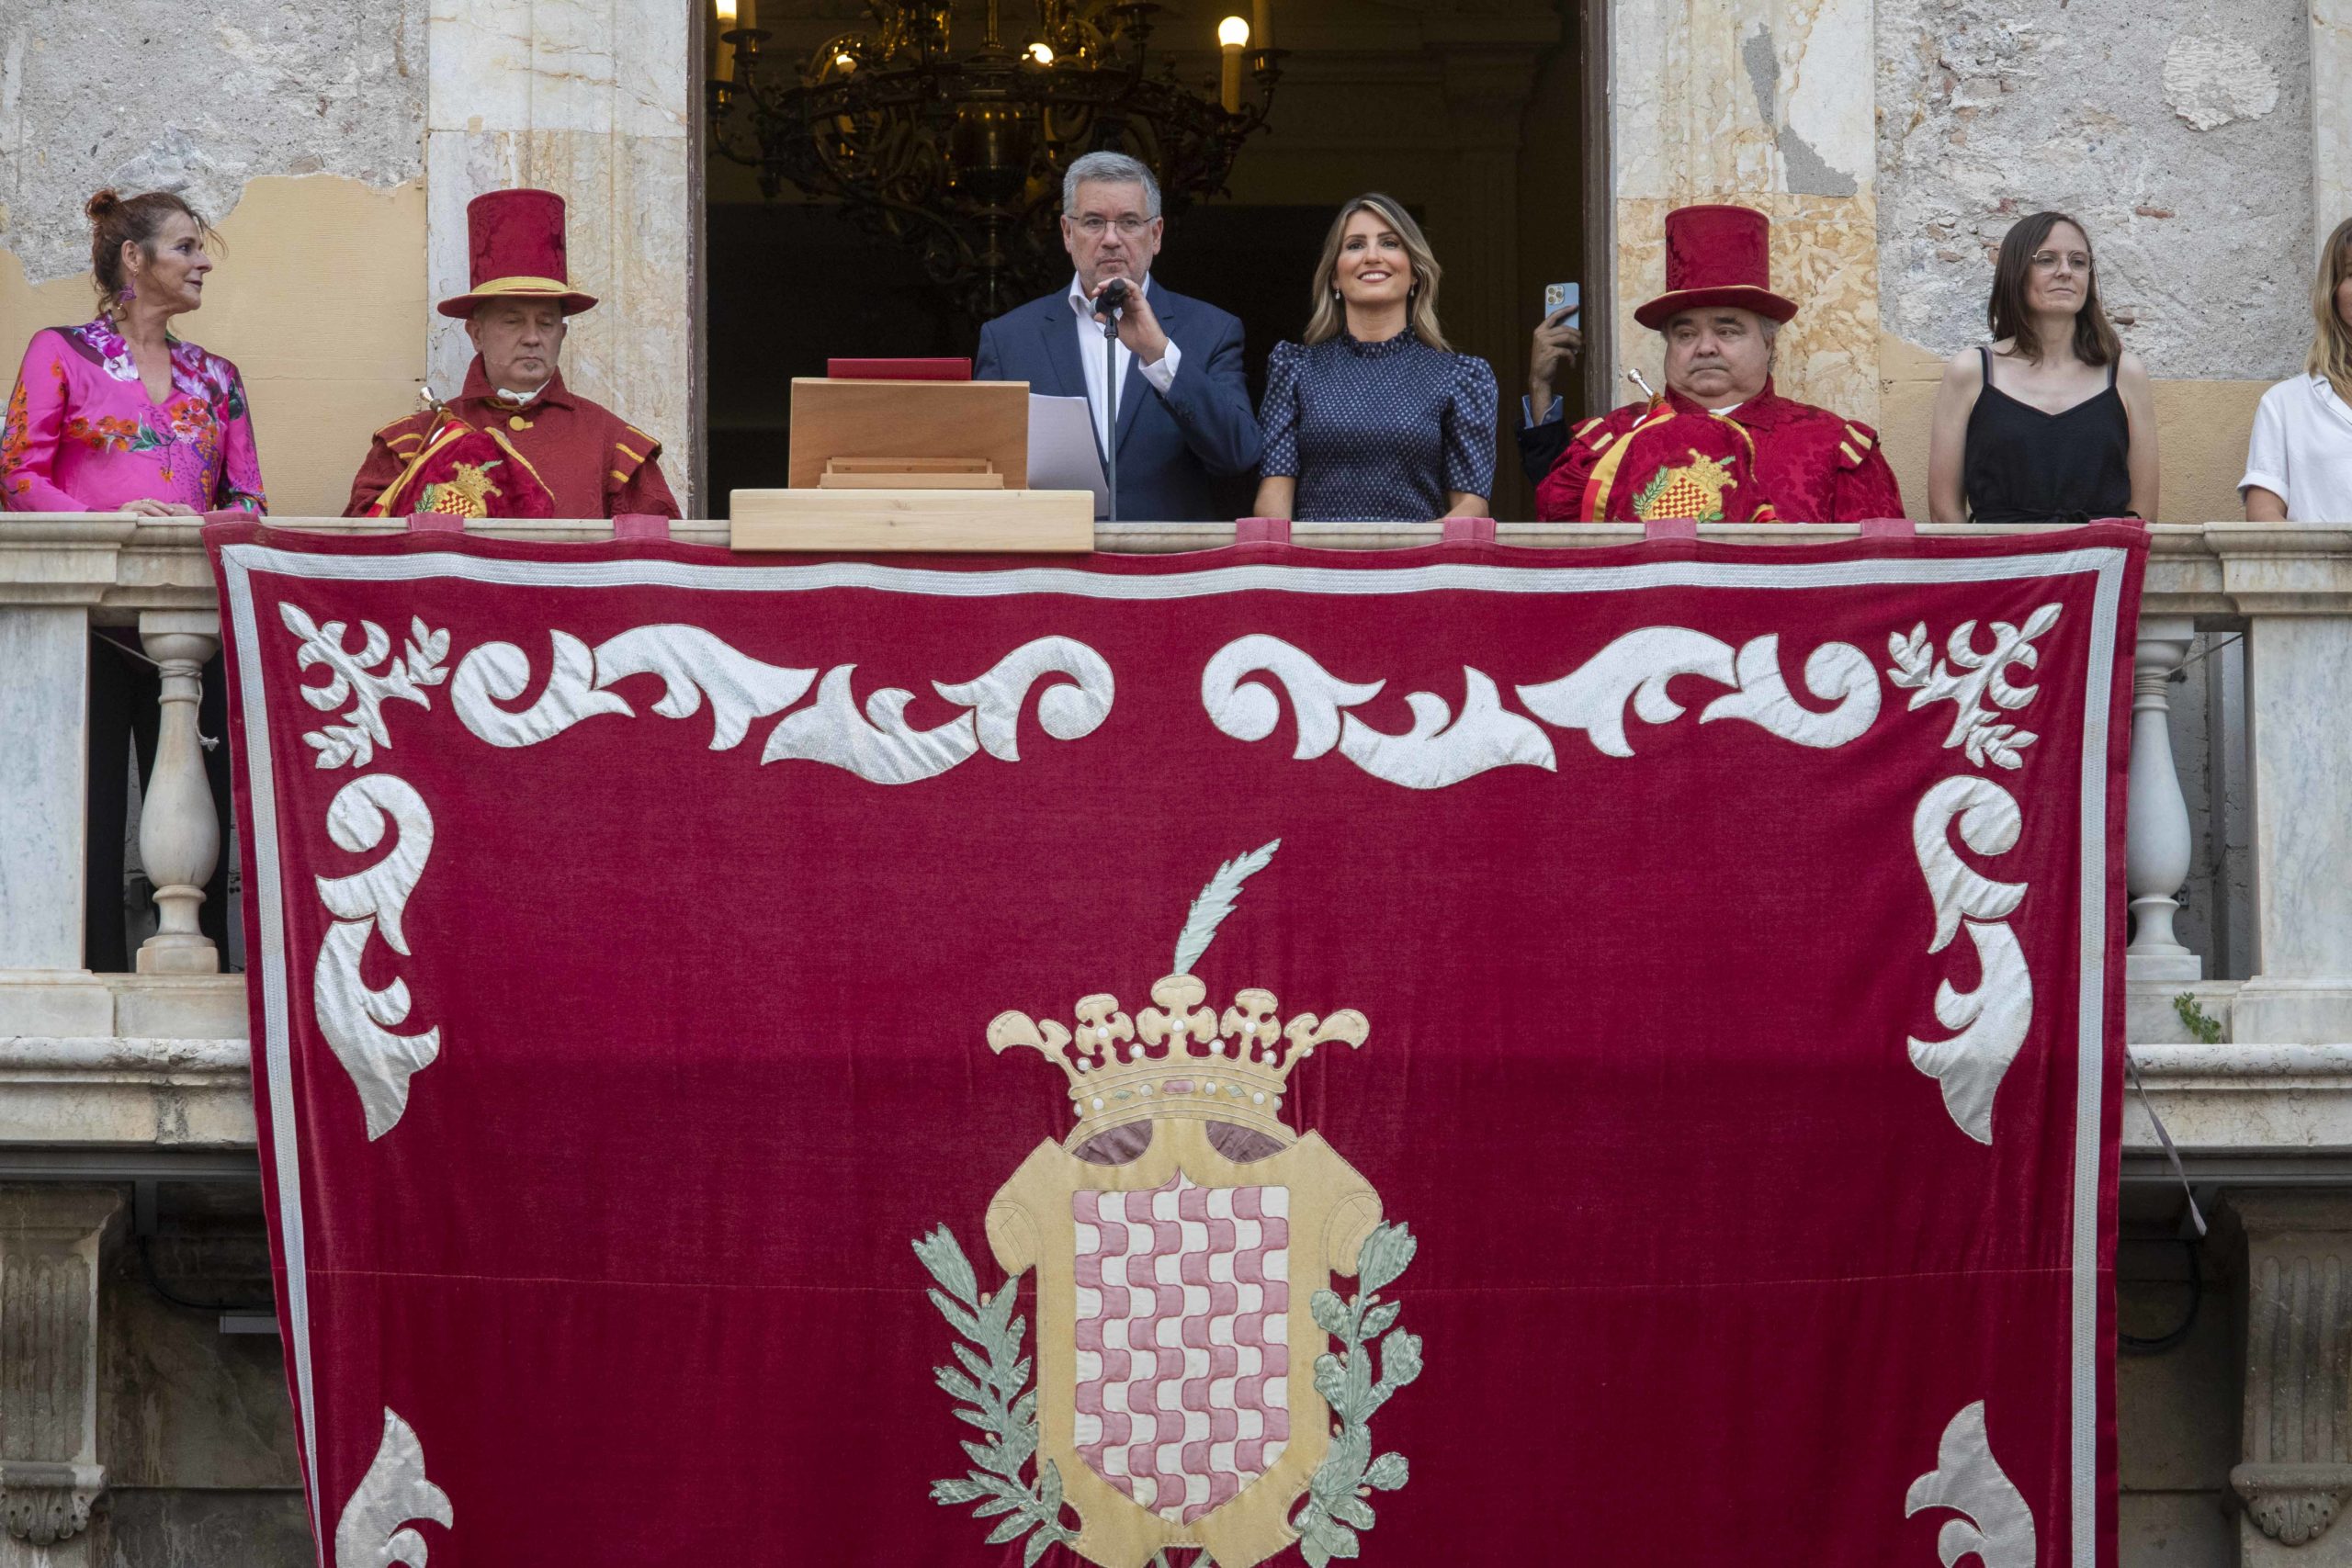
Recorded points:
(592, 462)
(577, 458)
(1809, 464)
(1464, 1055)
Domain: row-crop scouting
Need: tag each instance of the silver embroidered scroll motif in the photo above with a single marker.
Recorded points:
(358, 1021)
(373, 1531)
(1994, 1522)
(1991, 1021)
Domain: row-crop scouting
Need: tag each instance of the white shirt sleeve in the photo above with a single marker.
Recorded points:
(2265, 449)
(1163, 374)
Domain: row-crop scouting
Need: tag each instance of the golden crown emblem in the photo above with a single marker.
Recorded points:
(1179, 1056)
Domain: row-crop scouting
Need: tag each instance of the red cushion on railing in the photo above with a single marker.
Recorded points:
(1469, 530)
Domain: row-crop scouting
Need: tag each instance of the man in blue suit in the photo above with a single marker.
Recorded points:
(1184, 415)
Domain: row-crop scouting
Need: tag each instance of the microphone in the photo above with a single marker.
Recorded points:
(1111, 301)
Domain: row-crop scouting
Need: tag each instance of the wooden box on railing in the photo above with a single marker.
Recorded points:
(910, 466)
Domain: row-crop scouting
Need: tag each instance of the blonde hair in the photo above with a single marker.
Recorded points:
(1330, 316)
(2331, 354)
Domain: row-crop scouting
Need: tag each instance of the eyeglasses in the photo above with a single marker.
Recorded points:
(2047, 261)
(1093, 226)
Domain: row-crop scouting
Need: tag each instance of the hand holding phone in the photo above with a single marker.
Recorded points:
(1558, 344)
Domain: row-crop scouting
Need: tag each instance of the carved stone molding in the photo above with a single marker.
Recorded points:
(2293, 1504)
(2296, 1447)
(49, 1475)
(43, 1504)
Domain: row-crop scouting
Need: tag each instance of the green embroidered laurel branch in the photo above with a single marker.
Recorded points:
(1336, 1497)
(994, 1388)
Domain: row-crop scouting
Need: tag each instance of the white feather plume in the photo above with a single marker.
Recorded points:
(1216, 902)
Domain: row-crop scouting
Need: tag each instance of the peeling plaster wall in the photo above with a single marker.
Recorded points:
(141, 94)
(2179, 131)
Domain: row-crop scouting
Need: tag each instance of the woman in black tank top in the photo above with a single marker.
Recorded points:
(2055, 423)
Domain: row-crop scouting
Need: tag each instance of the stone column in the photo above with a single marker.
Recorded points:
(44, 704)
(179, 832)
(592, 99)
(2299, 680)
(51, 571)
(2331, 36)
(2158, 843)
(2297, 1463)
(49, 1475)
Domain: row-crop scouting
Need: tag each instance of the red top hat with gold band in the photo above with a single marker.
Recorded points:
(1716, 255)
(516, 242)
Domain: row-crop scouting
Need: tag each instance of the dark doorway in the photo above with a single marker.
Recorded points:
(791, 285)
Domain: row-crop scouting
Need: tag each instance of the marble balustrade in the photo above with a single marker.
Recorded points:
(2287, 588)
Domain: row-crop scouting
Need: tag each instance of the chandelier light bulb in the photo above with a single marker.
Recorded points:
(1041, 53)
(725, 11)
(1234, 32)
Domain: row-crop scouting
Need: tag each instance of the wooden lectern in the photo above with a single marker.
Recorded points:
(911, 466)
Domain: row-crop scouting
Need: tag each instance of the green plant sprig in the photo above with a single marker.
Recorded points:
(994, 1389)
(1337, 1495)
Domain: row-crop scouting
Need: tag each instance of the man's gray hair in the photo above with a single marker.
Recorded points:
(1112, 168)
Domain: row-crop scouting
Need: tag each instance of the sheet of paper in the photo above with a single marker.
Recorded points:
(1061, 449)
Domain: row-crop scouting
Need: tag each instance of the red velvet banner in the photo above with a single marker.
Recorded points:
(1467, 1055)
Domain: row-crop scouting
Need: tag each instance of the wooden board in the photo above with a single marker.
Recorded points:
(1058, 521)
(871, 419)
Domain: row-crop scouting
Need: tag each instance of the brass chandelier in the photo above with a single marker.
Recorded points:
(961, 155)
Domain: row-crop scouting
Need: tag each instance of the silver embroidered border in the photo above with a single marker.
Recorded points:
(238, 561)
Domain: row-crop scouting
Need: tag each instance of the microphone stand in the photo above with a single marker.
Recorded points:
(1110, 384)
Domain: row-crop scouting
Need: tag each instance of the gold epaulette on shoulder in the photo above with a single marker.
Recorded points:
(1858, 441)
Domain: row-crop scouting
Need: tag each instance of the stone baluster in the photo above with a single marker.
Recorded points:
(2157, 841)
(2297, 1442)
(49, 1475)
(180, 835)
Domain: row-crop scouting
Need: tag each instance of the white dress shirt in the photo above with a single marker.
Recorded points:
(2301, 450)
(1089, 358)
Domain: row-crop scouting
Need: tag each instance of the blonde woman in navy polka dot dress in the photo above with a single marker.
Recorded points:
(1373, 418)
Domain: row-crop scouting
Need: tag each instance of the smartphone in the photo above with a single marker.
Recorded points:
(1564, 296)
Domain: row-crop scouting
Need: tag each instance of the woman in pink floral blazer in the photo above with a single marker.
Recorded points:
(118, 414)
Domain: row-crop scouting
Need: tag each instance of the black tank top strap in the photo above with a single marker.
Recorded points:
(2110, 369)
(2023, 465)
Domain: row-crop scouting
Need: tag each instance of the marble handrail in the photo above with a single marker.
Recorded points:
(117, 565)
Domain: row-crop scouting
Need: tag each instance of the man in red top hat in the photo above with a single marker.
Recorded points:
(1719, 445)
(515, 441)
